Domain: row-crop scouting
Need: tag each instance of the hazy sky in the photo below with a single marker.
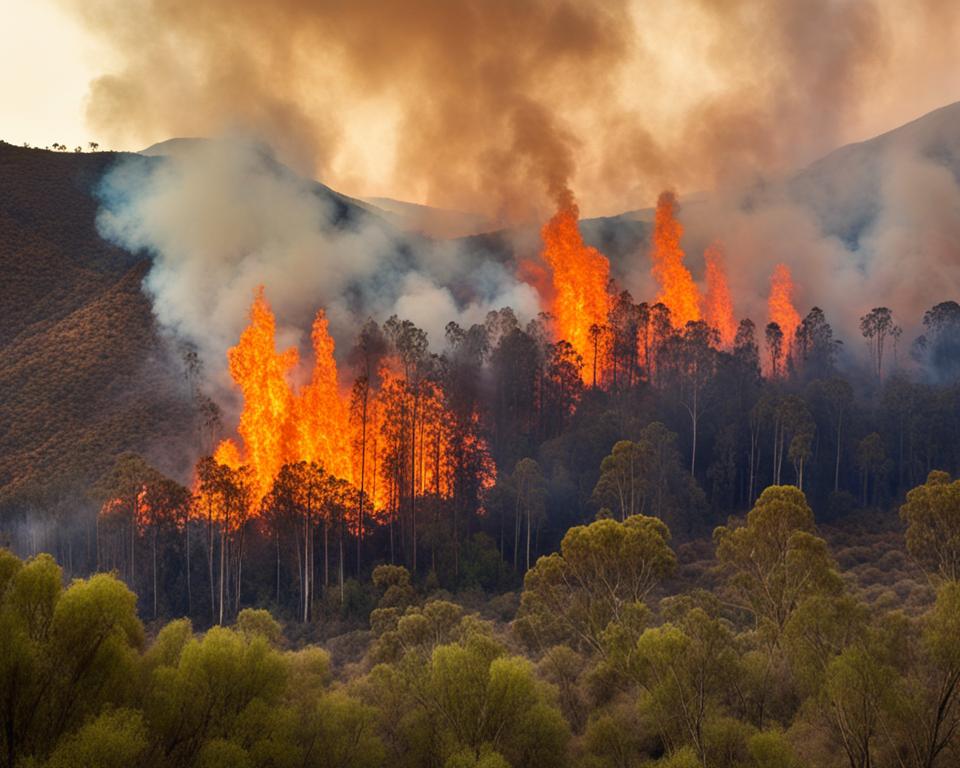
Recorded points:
(46, 64)
(488, 105)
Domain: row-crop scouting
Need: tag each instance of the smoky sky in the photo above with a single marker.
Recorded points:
(498, 105)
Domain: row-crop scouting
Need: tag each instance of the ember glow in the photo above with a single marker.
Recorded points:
(580, 277)
(678, 292)
(718, 304)
(780, 305)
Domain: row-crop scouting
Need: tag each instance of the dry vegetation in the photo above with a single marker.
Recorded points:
(83, 373)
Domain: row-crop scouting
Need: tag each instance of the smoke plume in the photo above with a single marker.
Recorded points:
(220, 218)
(495, 106)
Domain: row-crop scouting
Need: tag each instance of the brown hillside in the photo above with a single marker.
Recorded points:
(83, 373)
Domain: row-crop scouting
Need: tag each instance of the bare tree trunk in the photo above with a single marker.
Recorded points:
(516, 532)
(186, 529)
(413, 484)
(236, 608)
(154, 572)
(528, 538)
(363, 466)
(223, 544)
(213, 601)
(306, 568)
(340, 556)
(836, 467)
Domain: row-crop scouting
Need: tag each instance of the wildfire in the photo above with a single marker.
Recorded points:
(580, 276)
(261, 374)
(718, 305)
(677, 290)
(228, 454)
(278, 425)
(321, 423)
(780, 304)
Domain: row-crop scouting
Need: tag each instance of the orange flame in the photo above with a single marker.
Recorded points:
(278, 426)
(718, 305)
(228, 454)
(677, 290)
(321, 424)
(780, 304)
(261, 373)
(580, 276)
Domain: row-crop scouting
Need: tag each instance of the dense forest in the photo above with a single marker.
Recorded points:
(466, 465)
(620, 533)
(522, 572)
(781, 664)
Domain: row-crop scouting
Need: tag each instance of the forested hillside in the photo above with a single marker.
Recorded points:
(675, 543)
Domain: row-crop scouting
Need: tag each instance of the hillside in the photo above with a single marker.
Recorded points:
(83, 373)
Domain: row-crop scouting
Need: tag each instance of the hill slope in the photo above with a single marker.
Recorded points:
(83, 373)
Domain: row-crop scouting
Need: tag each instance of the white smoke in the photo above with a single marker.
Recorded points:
(220, 218)
(876, 224)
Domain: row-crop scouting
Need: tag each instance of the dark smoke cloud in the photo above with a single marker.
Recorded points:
(495, 105)
(476, 91)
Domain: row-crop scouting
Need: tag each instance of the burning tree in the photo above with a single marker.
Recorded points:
(580, 277)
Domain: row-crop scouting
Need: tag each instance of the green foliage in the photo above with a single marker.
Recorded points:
(682, 758)
(394, 582)
(776, 559)
(169, 644)
(218, 753)
(932, 515)
(253, 622)
(344, 733)
(115, 739)
(65, 655)
(646, 477)
(603, 571)
(485, 759)
(684, 669)
(206, 694)
(10, 564)
(770, 749)
(34, 592)
(682, 681)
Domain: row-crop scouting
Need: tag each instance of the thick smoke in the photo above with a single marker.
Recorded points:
(499, 106)
(220, 218)
(874, 224)
(493, 106)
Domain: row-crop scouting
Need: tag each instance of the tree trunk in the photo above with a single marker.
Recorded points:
(836, 468)
(306, 567)
(340, 557)
(213, 601)
(223, 543)
(186, 529)
(528, 539)
(154, 572)
(363, 467)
